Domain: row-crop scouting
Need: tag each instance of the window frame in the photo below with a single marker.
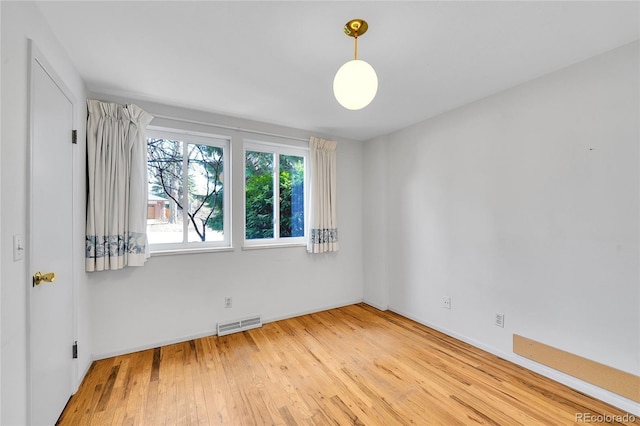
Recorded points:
(219, 141)
(277, 149)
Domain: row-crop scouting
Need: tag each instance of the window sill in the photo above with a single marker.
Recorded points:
(190, 251)
(272, 246)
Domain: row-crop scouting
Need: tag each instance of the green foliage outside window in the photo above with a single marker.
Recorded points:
(291, 196)
(259, 195)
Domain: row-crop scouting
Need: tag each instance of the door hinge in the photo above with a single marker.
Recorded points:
(74, 136)
(75, 349)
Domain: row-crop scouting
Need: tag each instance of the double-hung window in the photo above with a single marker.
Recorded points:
(276, 194)
(188, 201)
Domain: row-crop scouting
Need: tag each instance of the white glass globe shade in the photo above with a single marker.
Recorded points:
(355, 84)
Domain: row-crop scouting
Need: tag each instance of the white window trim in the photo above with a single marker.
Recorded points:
(280, 149)
(223, 142)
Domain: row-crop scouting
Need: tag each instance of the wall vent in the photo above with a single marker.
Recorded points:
(229, 327)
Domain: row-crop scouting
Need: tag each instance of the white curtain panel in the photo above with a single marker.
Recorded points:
(324, 196)
(117, 195)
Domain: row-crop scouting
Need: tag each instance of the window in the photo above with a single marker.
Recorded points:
(188, 202)
(275, 186)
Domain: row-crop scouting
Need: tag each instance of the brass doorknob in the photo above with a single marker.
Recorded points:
(39, 278)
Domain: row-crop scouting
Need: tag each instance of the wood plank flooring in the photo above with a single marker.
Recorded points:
(349, 366)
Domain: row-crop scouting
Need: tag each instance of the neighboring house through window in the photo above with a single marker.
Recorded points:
(188, 203)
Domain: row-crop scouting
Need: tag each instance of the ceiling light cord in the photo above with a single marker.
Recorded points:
(355, 49)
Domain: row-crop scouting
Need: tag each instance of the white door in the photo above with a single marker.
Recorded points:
(51, 208)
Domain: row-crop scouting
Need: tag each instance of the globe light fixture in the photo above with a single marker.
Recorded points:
(356, 83)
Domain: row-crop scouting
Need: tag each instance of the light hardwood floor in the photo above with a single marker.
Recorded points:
(352, 365)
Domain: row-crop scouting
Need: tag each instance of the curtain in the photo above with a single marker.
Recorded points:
(117, 193)
(324, 219)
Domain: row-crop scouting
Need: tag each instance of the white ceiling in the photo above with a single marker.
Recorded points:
(275, 61)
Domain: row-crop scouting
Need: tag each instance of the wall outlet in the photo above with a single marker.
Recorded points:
(228, 301)
(500, 320)
(446, 302)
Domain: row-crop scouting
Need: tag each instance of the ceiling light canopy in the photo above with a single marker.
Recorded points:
(356, 83)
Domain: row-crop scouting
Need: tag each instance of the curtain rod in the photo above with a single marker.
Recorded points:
(222, 126)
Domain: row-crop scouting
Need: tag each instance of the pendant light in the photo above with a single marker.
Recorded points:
(356, 83)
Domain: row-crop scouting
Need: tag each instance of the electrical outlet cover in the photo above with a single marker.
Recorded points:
(446, 302)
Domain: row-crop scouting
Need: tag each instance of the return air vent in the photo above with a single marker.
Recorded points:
(229, 327)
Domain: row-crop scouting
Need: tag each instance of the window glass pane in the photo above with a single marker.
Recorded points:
(291, 196)
(204, 168)
(164, 204)
(259, 194)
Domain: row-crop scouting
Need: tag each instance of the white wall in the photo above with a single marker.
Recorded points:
(1, 238)
(20, 21)
(375, 221)
(524, 203)
(173, 298)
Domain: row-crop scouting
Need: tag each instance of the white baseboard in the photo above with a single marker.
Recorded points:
(604, 395)
(211, 332)
(156, 344)
(622, 403)
(376, 305)
(312, 311)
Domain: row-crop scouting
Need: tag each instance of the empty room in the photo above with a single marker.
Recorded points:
(320, 212)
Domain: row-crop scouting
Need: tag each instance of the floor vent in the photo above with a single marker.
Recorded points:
(225, 328)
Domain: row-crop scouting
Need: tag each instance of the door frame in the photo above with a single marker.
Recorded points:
(37, 58)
